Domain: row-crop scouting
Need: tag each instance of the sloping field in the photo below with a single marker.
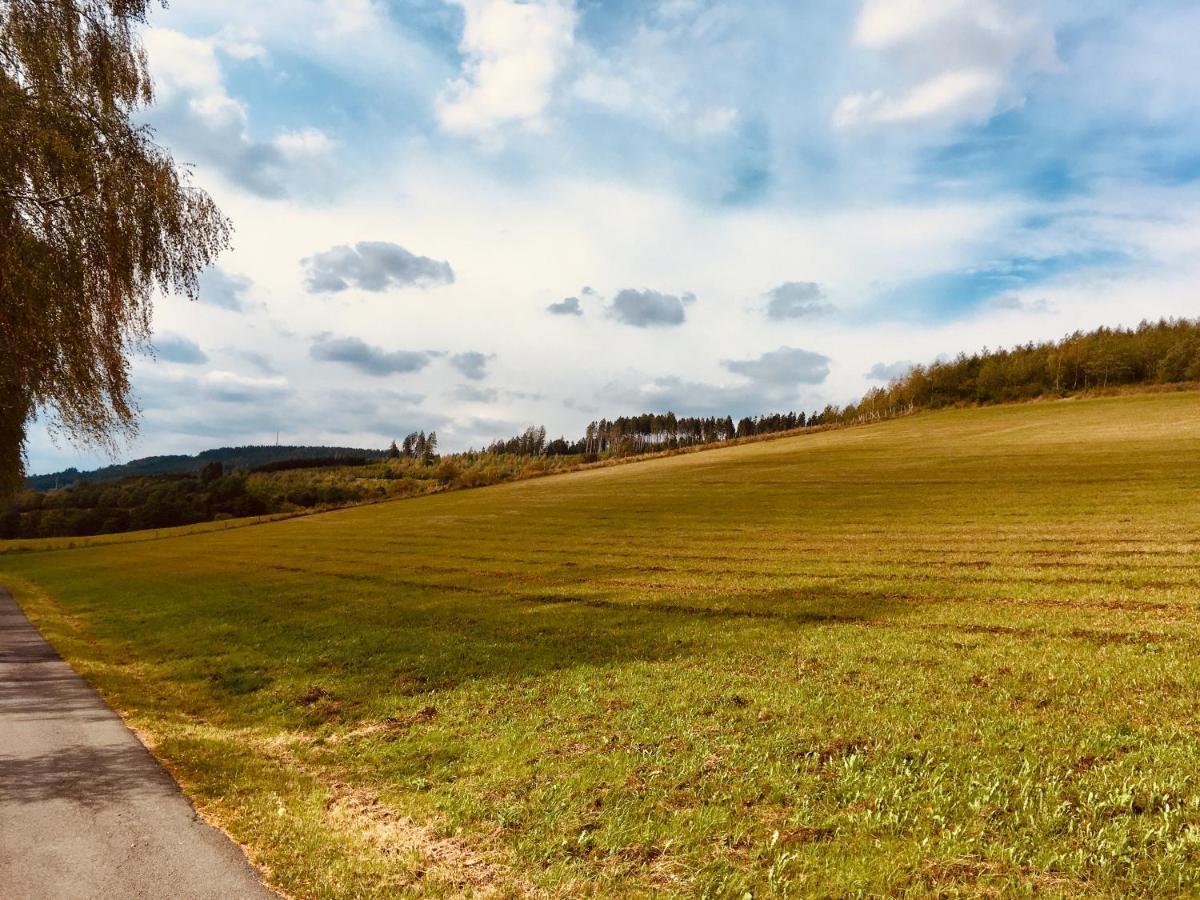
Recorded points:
(958, 652)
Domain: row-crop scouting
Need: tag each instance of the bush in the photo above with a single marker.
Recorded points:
(448, 471)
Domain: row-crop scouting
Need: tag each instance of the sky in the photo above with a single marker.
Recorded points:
(472, 216)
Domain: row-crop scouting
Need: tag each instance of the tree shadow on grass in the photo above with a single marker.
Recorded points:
(255, 652)
(518, 636)
(828, 606)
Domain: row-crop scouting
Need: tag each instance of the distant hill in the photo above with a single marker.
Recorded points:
(230, 457)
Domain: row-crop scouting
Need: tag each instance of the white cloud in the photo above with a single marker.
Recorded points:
(962, 95)
(883, 23)
(242, 43)
(357, 40)
(187, 68)
(946, 61)
(202, 122)
(304, 143)
(661, 74)
(347, 17)
(514, 53)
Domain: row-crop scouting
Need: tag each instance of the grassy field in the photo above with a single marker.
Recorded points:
(957, 653)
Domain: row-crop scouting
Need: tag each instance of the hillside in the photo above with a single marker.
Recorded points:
(953, 653)
(181, 464)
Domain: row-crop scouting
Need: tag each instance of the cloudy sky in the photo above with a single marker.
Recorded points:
(476, 215)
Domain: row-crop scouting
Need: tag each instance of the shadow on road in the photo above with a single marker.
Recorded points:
(85, 776)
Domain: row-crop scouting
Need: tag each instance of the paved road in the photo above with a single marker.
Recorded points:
(85, 810)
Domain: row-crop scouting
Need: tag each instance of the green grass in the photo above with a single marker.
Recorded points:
(955, 654)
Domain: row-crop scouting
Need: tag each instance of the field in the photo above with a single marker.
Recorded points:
(957, 653)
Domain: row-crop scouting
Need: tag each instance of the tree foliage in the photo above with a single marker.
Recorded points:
(94, 218)
(1163, 352)
(647, 433)
(417, 445)
(161, 501)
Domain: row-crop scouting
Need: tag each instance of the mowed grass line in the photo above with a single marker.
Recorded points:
(955, 653)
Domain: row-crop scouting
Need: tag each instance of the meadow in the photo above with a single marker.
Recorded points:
(955, 653)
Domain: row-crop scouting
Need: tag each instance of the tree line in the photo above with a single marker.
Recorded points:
(417, 445)
(247, 459)
(1162, 352)
(131, 504)
(649, 433)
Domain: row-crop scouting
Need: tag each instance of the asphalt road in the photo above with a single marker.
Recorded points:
(85, 810)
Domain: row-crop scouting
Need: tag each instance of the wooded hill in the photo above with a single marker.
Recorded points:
(1163, 352)
(230, 458)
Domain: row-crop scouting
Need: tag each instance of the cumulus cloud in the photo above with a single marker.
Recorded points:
(964, 94)
(889, 371)
(513, 53)
(220, 288)
(646, 309)
(179, 349)
(567, 307)
(304, 143)
(471, 364)
(785, 366)
(373, 266)
(946, 61)
(882, 23)
(241, 43)
(366, 358)
(196, 112)
(796, 300)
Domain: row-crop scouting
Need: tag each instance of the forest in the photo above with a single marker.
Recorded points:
(285, 486)
(1162, 352)
(650, 433)
(232, 458)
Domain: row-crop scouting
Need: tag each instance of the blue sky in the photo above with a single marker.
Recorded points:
(421, 188)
